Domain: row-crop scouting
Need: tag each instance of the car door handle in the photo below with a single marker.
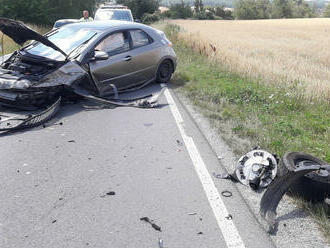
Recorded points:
(128, 58)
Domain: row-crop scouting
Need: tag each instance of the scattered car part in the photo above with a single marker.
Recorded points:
(160, 243)
(229, 217)
(226, 193)
(232, 177)
(17, 123)
(317, 183)
(154, 226)
(256, 169)
(300, 164)
(142, 102)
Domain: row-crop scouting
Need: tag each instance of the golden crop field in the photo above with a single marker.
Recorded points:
(292, 51)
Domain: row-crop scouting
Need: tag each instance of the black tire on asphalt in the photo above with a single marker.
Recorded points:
(164, 72)
(312, 186)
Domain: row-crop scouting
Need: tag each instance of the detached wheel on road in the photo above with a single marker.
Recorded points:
(314, 186)
(164, 72)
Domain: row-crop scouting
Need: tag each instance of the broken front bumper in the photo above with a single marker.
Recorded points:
(26, 99)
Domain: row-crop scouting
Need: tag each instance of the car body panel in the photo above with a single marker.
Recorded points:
(114, 70)
(145, 61)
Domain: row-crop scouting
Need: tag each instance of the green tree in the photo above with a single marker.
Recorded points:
(245, 9)
(199, 6)
(44, 12)
(141, 7)
(281, 9)
(300, 9)
(263, 9)
(326, 12)
(181, 10)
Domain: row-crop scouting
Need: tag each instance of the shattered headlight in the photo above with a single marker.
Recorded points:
(22, 84)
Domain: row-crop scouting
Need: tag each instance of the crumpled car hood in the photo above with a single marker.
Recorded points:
(21, 33)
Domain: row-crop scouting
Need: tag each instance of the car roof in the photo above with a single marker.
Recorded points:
(108, 25)
(112, 6)
(107, 9)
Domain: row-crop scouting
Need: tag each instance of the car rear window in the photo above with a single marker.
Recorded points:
(140, 38)
(116, 14)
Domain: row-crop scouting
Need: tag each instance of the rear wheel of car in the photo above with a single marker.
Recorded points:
(164, 72)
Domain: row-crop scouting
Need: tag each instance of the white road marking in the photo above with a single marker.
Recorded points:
(227, 227)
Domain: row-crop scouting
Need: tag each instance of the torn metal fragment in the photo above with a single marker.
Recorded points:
(232, 177)
(150, 101)
(299, 165)
(153, 225)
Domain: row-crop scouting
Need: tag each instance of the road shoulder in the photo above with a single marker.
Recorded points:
(296, 228)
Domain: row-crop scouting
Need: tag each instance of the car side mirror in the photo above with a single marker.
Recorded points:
(137, 20)
(100, 55)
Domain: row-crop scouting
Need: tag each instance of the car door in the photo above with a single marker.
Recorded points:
(145, 56)
(118, 69)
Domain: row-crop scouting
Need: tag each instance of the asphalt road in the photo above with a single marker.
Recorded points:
(55, 180)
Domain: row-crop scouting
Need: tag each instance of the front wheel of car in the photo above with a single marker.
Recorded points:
(164, 72)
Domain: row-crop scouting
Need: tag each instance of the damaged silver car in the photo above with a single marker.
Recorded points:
(96, 59)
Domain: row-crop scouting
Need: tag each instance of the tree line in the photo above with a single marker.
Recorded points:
(266, 9)
(44, 12)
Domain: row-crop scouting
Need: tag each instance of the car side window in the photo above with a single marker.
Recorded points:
(114, 44)
(139, 38)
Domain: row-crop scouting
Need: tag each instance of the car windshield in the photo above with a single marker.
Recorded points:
(116, 14)
(66, 38)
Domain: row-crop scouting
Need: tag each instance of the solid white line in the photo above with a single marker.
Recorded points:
(227, 227)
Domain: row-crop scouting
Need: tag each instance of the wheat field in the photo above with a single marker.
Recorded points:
(291, 51)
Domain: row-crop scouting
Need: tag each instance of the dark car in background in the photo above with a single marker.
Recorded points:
(96, 56)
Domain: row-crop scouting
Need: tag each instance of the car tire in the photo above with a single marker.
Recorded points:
(313, 186)
(164, 72)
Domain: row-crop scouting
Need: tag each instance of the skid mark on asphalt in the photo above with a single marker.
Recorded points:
(227, 227)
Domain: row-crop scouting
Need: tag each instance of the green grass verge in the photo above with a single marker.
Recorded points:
(250, 113)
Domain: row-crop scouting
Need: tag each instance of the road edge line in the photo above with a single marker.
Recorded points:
(227, 226)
